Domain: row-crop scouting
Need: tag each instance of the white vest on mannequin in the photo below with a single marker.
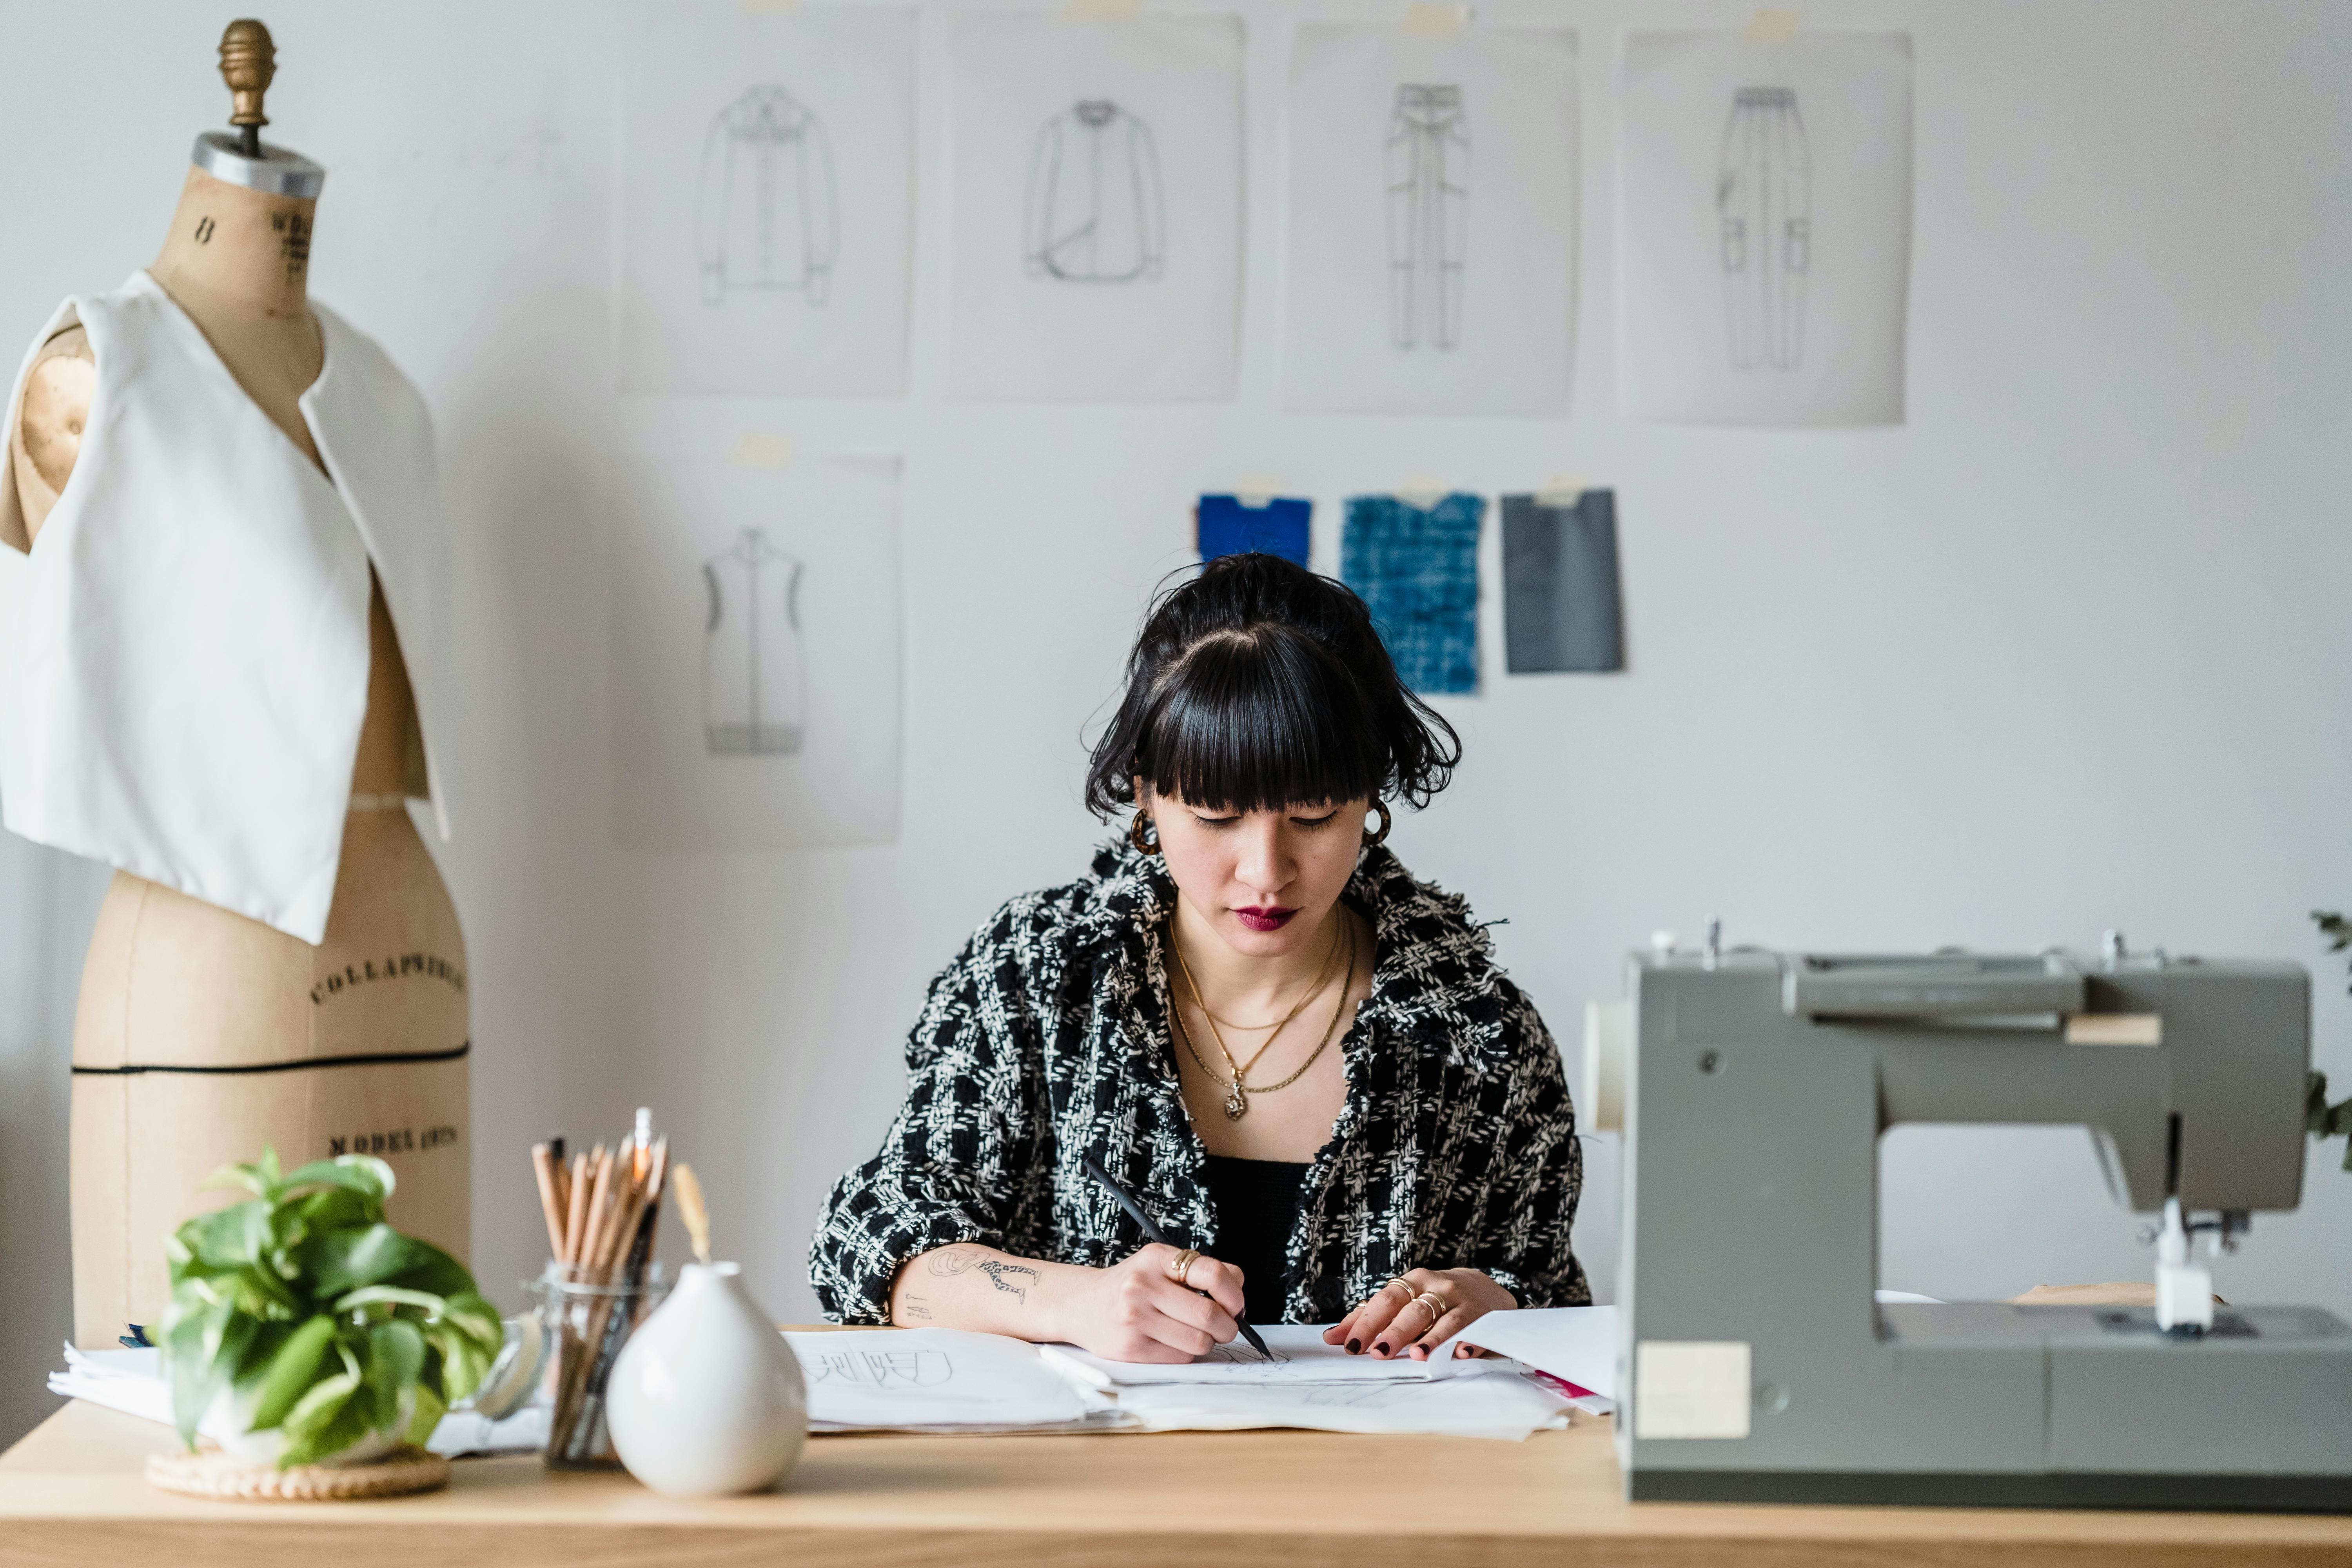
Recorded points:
(204, 1032)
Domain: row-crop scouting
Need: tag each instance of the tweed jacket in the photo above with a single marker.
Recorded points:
(1047, 1039)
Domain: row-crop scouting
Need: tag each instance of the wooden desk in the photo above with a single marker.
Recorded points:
(71, 1494)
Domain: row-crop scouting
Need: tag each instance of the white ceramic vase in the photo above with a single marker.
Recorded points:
(706, 1397)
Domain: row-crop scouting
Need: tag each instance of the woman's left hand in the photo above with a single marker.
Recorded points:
(1398, 1319)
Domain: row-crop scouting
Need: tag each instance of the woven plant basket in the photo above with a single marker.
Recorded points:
(220, 1477)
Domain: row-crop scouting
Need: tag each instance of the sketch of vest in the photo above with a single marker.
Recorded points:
(764, 212)
(1429, 215)
(1764, 197)
(1095, 212)
(754, 688)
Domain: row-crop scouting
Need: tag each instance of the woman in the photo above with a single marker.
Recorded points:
(1297, 1058)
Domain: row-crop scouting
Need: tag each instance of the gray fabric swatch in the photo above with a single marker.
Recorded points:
(1560, 605)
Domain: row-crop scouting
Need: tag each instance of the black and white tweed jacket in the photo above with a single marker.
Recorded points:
(1047, 1039)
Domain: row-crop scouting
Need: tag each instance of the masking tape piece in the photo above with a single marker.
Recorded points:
(1771, 27)
(2114, 1029)
(1101, 10)
(1435, 21)
(1561, 489)
(1257, 489)
(763, 451)
(1691, 1388)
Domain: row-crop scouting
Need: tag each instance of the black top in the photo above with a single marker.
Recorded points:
(1257, 1203)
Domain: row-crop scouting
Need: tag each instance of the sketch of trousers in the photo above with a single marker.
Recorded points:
(764, 210)
(753, 688)
(1095, 212)
(1764, 198)
(1429, 215)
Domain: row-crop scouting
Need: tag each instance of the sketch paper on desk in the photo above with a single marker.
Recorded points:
(1575, 1343)
(756, 652)
(931, 1379)
(1500, 1406)
(1298, 1356)
(1432, 220)
(1764, 257)
(767, 216)
(1095, 208)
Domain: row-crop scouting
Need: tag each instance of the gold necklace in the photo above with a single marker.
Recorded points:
(1238, 1091)
(1241, 1069)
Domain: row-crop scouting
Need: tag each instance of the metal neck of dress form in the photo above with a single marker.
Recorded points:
(276, 171)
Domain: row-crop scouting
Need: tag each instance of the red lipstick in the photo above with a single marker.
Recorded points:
(1265, 920)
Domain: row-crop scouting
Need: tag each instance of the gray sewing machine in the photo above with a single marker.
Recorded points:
(1754, 1362)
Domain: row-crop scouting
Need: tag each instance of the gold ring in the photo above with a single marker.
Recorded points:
(1181, 1264)
(1434, 1303)
(1405, 1285)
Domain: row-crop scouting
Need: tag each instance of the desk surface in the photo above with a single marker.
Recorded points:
(72, 1493)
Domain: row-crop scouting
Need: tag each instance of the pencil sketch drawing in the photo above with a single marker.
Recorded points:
(1095, 212)
(753, 686)
(765, 213)
(881, 1369)
(1429, 215)
(1237, 1353)
(1764, 198)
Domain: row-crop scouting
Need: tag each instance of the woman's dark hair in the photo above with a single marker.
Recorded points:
(1258, 684)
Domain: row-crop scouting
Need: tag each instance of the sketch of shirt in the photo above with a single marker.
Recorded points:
(753, 688)
(1095, 211)
(1764, 197)
(765, 212)
(1429, 215)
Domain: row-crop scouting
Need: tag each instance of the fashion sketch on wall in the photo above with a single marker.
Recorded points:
(1763, 199)
(1094, 207)
(753, 691)
(1431, 220)
(1429, 215)
(755, 653)
(765, 212)
(1095, 212)
(767, 199)
(1765, 241)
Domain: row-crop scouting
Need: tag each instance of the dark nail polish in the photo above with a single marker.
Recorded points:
(1379, 1350)
(1355, 1347)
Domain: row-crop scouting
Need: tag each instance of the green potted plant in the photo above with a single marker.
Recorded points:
(303, 1330)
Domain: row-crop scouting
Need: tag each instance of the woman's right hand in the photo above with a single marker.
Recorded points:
(1135, 1310)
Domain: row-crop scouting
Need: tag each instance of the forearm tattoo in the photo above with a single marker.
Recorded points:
(1003, 1277)
(948, 1261)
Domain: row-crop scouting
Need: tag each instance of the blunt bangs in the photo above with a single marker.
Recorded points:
(1258, 720)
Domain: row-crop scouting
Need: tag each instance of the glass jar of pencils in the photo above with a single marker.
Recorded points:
(589, 1319)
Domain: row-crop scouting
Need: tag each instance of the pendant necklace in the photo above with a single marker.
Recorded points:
(1237, 1087)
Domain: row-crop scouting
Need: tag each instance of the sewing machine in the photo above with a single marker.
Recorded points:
(1755, 1361)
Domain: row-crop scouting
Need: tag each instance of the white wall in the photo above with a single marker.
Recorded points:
(2063, 652)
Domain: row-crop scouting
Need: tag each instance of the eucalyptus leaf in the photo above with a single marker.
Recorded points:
(291, 1371)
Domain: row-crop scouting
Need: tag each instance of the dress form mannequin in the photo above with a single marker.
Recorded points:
(195, 1023)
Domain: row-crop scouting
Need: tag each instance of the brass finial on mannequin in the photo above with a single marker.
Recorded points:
(248, 61)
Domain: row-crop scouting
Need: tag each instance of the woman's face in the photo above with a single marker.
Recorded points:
(1263, 879)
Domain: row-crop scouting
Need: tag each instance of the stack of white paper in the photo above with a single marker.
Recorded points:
(1303, 1382)
(938, 1380)
(1578, 1345)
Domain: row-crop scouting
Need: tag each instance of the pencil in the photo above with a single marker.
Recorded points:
(1152, 1231)
(576, 1209)
(542, 1166)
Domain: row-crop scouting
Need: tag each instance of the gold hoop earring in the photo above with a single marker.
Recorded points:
(1372, 840)
(1135, 835)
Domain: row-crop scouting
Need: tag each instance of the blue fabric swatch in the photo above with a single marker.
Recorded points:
(1224, 526)
(1560, 606)
(1418, 571)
